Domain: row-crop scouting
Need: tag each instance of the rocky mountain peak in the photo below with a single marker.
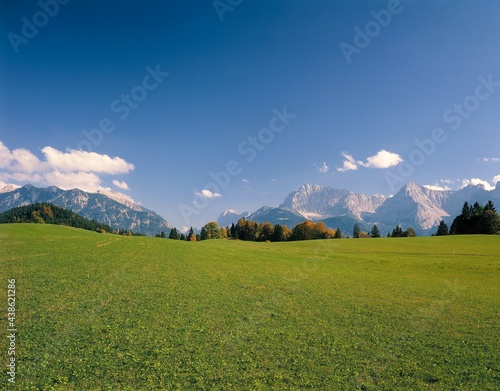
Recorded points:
(88, 205)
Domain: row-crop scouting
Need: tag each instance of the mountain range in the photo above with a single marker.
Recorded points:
(413, 206)
(107, 208)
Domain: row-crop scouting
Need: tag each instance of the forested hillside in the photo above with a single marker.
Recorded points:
(42, 213)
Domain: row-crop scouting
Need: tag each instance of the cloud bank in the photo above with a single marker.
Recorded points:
(477, 181)
(66, 170)
(443, 184)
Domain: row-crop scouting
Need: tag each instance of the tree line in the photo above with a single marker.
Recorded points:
(47, 213)
(249, 230)
(475, 219)
(176, 235)
(41, 213)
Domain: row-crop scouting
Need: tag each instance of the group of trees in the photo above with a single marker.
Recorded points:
(41, 213)
(190, 236)
(475, 219)
(246, 230)
(398, 232)
(357, 233)
(307, 230)
(252, 231)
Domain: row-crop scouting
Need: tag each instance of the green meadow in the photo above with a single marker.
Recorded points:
(105, 312)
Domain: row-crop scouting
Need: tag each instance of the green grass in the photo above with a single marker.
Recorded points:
(102, 312)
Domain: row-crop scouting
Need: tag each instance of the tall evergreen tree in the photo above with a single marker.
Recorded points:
(466, 210)
(338, 234)
(397, 232)
(356, 231)
(442, 229)
(174, 234)
(375, 233)
(191, 237)
(476, 220)
(489, 206)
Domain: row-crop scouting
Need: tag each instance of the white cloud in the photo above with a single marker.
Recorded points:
(208, 194)
(86, 181)
(383, 159)
(496, 179)
(324, 168)
(348, 164)
(4, 185)
(19, 160)
(66, 170)
(117, 196)
(121, 184)
(491, 159)
(21, 177)
(245, 180)
(477, 181)
(74, 160)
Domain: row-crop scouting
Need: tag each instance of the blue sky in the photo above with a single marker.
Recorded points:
(180, 89)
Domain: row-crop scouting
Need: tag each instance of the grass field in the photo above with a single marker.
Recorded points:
(102, 312)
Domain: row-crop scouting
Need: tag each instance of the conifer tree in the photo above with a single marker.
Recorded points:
(174, 234)
(442, 229)
(356, 231)
(375, 233)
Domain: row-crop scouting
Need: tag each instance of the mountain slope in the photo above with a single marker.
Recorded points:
(321, 202)
(89, 205)
(412, 206)
(276, 216)
(230, 216)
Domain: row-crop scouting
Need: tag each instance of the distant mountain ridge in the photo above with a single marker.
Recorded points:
(93, 206)
(321, 202)
(413, 205)
(229, 216)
